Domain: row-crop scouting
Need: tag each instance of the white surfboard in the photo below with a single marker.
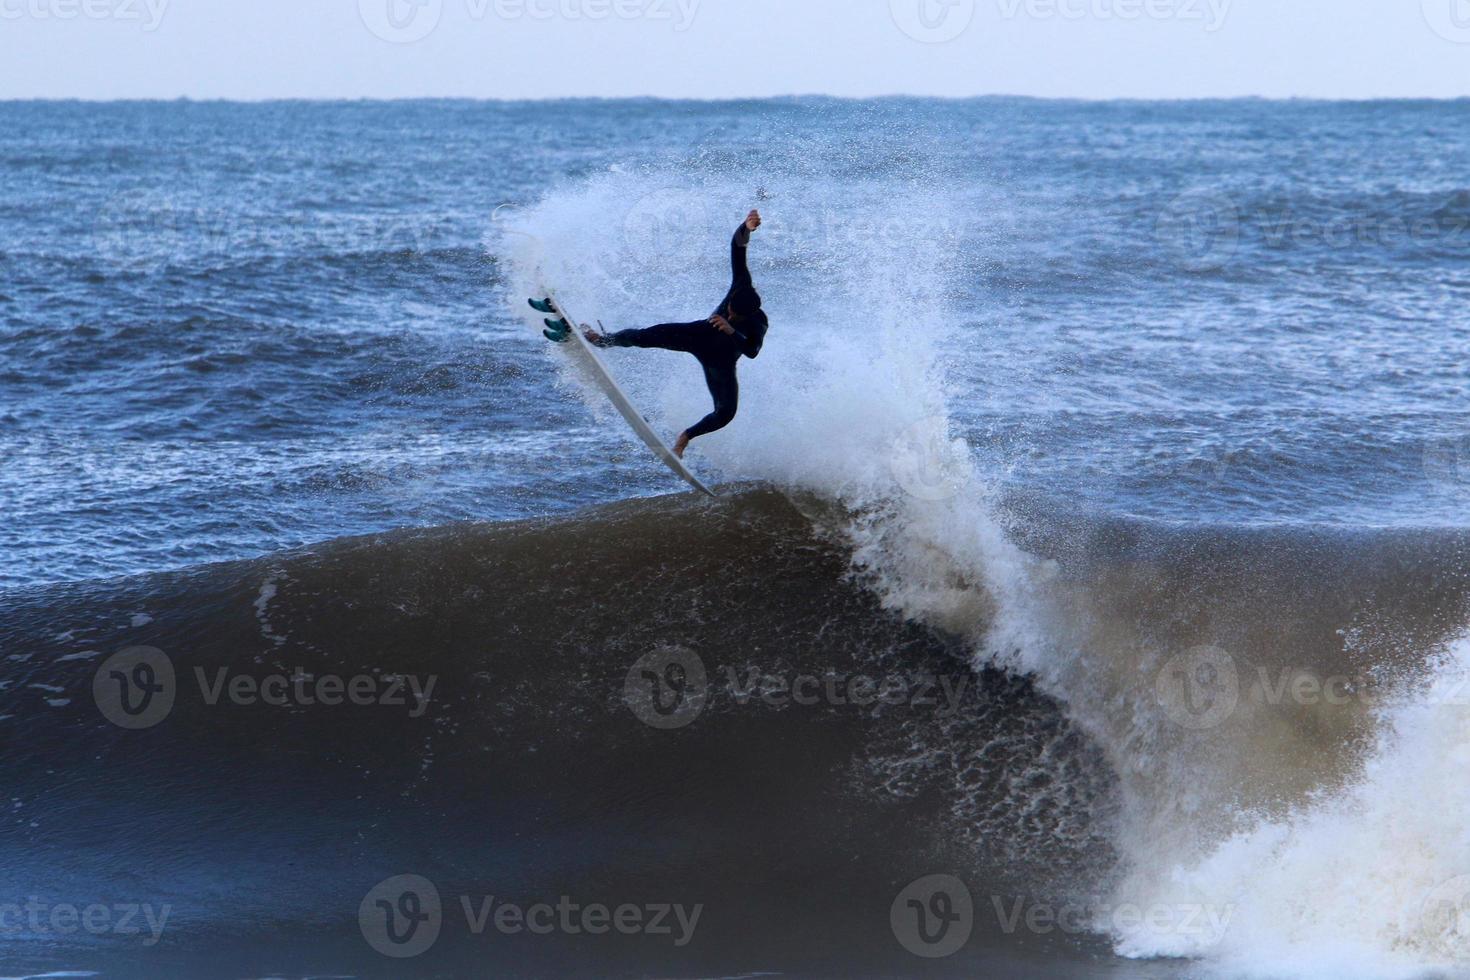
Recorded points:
(583, 351)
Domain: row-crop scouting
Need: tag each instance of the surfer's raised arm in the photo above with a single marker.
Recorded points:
(739, 314)
(740, 271)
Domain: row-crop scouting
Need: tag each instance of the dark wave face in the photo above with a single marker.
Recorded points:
(654, 704)
(549, 754)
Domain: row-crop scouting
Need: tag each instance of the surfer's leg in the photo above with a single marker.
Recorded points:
(684, 337)
(724, 387)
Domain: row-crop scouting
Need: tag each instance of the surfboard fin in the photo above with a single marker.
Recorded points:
(557, 331)
(542, 305)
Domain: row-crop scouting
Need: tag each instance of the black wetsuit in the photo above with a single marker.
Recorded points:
(718, 352)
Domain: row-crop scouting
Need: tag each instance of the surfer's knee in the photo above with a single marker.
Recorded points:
(722, 416)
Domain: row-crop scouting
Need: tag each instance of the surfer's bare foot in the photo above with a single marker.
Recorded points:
(681, 444)
(593, 337)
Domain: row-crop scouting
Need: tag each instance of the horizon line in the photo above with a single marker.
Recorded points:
(725, 100)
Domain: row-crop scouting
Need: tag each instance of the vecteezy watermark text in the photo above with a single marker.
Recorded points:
(148, 13)
(402, 917)
(301, 688)
(149, 230)
(1210, 13)
(570, 918)
(138, 687)
(1203, 924)
(934, 916)
(939, 21)
(1203, 687)
(1204, 230)
(670, 687)
(407, 21)
(37, 918)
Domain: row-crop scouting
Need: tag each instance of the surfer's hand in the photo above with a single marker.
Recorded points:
(753, 220)
(722, 325)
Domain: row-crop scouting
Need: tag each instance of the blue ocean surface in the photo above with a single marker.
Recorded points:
(230, 329)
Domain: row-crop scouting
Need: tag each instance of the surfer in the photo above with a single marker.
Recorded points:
(738, 326)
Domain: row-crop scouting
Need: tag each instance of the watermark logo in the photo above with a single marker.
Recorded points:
(1199, 230)
(147, 13)
(1199, 688)
(401, 917)
(932, 21)
(667, 688)
(1446, 913)
(927, 463)
(1450, 19)
(933, 917)
(1448, 460)
(137, 688)
(668, 221)
(142, 231)
(401, 21)
(134, 688)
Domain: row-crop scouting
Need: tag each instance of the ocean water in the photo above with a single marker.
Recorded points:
(1126, 446)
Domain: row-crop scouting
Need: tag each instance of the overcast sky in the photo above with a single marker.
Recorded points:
(254, 49)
